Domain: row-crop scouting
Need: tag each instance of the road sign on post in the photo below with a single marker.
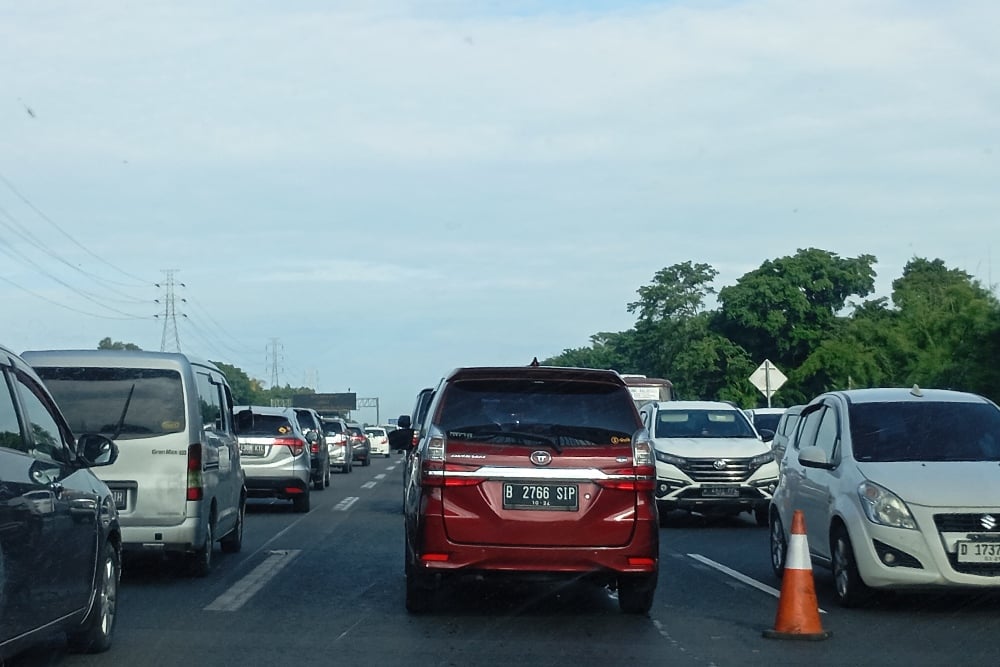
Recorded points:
(768, 379)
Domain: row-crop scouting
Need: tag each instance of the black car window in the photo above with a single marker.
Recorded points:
(92, 399)
(10, 427)
(702, 424)
(333, 428)
(47, 439)
(768, 421)
(581, 412)
(269, 426)
(931, 431)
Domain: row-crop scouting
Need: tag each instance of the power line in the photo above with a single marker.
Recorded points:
(62, 231)
(61, 305)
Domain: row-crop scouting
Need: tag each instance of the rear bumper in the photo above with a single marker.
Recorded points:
(276, 487)
(438, 554)
(182, 537)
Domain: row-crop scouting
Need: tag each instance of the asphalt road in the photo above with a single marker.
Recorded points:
(326, 588)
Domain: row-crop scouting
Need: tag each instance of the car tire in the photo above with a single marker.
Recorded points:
(760, 515)
(326, 477)
(850, 589)
(200, 562)
(779, 545)
(300, 503)
(95, 633)
(635, 593)
(233, 542)
(367, 461)
(418, 590)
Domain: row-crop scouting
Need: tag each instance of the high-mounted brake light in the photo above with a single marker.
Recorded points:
(194, 488)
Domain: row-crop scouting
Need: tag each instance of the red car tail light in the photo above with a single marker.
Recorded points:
(194, 487)
(294, 444)
(641, 476)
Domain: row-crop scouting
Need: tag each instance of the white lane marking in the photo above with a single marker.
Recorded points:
(392, 467)
(237, 594)
(739, 576)
(368, 485)
(345, 504)
(380, 476)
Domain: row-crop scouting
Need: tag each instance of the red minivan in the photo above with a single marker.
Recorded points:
(534, 470)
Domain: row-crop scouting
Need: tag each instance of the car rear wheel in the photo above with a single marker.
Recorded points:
(200, 562)
(418, 588)
(779, 545)
(635, 593)
(326, 477)
(94, 634)
(367, 461)
(301, 502)
(850, 588)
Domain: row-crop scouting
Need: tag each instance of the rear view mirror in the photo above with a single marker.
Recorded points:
(96, 449)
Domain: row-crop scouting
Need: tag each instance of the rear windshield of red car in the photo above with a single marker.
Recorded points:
(593, 412)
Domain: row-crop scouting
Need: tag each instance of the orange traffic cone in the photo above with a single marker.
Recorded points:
(798, 610)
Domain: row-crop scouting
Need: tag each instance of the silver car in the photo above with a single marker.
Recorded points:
(275, 454)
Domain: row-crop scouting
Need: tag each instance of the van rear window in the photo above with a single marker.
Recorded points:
(93, 400)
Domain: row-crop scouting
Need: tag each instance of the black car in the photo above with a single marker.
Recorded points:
(60, 541)
(361, 445)
(319, 454)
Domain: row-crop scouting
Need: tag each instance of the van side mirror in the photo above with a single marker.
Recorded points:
(403, 421)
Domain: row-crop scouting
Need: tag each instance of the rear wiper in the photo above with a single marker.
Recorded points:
(121, 420)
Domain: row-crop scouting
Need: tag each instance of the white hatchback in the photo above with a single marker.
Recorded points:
(379, 439)
(900, 489)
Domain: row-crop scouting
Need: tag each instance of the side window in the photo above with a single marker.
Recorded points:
(10, 428)
(48, 440)
(826, 434)
(209, 402)
(808, 426)
(226, 421)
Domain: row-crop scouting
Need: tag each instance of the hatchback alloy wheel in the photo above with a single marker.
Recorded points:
(779, 545)
(851, 590)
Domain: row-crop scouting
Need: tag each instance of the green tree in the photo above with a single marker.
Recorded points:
(246, 390)
(785, 309)
(108, 344)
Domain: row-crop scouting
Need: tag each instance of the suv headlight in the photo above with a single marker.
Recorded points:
(761, 459)
(884, 507)
(663, 457)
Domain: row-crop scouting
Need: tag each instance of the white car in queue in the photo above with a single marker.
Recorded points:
(709, 459)
(379, 439)
(900, 489)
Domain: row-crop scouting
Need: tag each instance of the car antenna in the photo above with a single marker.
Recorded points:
(916, 391)
(534, 363)
(121, 420)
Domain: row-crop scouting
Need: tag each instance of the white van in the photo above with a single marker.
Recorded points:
(178, 482)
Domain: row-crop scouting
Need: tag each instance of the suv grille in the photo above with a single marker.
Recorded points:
(704, 470)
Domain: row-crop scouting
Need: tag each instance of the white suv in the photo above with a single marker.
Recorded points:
(898, 488)
(709, 459)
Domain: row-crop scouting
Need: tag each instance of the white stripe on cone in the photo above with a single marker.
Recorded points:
(798, 553)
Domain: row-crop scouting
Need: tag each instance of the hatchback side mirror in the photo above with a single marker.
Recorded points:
(814, 457)
(96, 449)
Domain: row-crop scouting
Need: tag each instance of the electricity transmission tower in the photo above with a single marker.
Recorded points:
(169, 314)
(273, 347)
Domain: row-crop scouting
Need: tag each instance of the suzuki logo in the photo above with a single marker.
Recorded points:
(541, 458)
(720, 464)
(988, 521)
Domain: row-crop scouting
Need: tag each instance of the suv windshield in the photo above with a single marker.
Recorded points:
(912, 431)
(702, 424)
(92, 399)
(515, 410)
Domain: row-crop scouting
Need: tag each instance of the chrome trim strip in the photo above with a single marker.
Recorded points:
(558, 474)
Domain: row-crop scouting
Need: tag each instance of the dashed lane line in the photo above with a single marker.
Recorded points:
(244, 589)
(739, 576)
(380, 476)
(368, 485)
(345, 504)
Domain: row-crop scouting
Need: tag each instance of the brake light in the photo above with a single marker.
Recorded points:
(194, 488)
(641, 476)
(296, 445)
(434, 471)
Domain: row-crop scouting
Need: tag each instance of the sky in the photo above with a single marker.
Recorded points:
(363, 195)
